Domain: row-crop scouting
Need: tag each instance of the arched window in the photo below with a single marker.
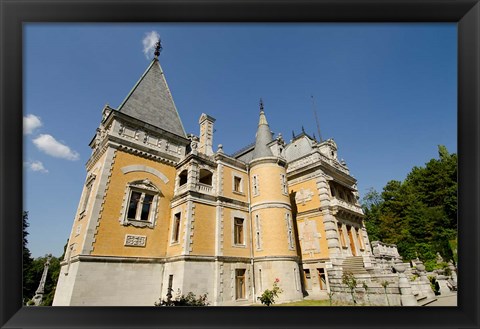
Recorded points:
(205, 177)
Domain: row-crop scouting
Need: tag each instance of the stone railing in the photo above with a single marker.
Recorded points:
(203, 188)
(335, 202)
(381, 249)
(181, 189)
(335, 164)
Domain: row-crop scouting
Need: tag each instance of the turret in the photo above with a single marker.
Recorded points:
(274, 246)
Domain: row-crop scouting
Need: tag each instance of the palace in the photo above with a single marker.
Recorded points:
(161, 211)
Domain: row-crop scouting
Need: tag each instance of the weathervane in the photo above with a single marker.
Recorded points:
(261, 105)
(158, 48)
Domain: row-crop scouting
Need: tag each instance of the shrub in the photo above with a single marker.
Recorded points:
(183, 300)
(434, 285)
(349, 280)
(268, 296)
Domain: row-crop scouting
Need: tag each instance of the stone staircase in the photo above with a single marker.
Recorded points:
(423, 300)
(354, 264)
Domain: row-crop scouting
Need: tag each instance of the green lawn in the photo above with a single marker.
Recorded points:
(313, 303)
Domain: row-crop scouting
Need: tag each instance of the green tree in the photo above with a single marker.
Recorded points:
(419, 215)
(33, 270)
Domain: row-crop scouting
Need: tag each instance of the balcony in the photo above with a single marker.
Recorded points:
(342, 205)
(204, 188)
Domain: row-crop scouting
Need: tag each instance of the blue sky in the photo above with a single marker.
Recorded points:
(386, 93)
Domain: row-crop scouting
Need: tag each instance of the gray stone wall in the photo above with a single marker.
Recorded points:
(104, 283)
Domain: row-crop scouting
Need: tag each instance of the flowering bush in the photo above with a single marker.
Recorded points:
(268, 296)
(183, 300)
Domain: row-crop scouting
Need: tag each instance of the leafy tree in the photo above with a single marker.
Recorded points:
(33, 270)
(28, 281)
(419, 215)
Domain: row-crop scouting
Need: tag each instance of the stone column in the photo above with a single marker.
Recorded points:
(453, 271)
(407, 298)
(333, 269)
(425, 283)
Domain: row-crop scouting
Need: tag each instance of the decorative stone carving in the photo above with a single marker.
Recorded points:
(309, 236)
(303, 195)
(135, 240)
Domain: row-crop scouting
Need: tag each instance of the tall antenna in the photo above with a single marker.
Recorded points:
(316, 118)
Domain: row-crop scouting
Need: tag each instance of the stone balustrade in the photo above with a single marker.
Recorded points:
(203, 188)
(339, 203)
(381, 249)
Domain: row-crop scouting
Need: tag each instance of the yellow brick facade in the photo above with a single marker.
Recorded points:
(200, 220)
(110, 235)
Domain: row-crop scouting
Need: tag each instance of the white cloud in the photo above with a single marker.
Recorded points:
(30, 123)
(36, 166)
(51, 146)
(149, 42)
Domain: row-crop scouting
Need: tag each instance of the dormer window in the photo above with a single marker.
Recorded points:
(206, 177)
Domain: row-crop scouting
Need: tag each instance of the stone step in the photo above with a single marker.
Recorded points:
(420, 298)
(426, 302)
(354, 264)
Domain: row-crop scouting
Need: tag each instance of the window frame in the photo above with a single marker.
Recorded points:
(240, 284)
(240, 184)
(144, 187)
(255, 185)
(284, 184)
(235, 232)
(176, 224)
(86, 195)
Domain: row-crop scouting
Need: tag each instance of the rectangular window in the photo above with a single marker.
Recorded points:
(360, 240)
(238, 231)
(260, 282)
(237, 184)
(307, 278)
(289, 231)
(321, 279)
(255, 185)
(176, 227)
(342, 238)
(283, 180)
(86, 197)
(240, 284)
(139, 206)
(170, 286)
(257, 231)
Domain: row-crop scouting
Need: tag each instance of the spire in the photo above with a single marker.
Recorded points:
(263, 137)
(150, 100)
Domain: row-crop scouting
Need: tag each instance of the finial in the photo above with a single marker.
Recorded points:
(261, 105)
(158, 48)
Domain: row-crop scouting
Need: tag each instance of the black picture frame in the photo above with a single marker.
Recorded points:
(14, 13)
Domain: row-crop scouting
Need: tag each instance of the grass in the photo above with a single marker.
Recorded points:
(314, 303)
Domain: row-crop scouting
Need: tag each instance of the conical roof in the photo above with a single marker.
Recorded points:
(263, 137)
(150, 101)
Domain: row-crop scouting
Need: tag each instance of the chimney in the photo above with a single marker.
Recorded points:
(206, 134)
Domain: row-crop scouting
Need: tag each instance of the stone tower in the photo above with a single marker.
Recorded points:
(118, 240)
(274, 251)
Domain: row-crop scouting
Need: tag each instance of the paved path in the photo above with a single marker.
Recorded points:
(445, 300)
